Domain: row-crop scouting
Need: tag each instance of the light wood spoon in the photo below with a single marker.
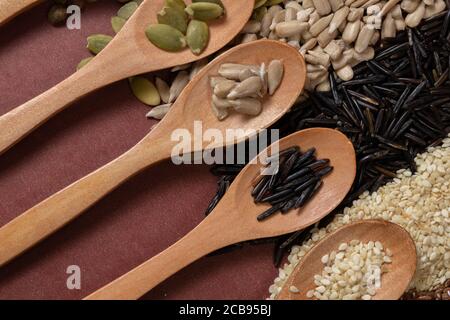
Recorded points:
(234, 218)
(129, 54)
(392, 236)
(193, 106)
(12, 8)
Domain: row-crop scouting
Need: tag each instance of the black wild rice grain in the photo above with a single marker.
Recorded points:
(297, 180)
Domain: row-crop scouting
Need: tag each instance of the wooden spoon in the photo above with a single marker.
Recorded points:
(130, 53)
(191, 110)
(392, 236)
(234, 218)
(12, 8)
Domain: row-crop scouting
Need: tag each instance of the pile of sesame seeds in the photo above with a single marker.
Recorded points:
(418, 202)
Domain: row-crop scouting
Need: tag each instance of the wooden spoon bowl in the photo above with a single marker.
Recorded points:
(235, 217)
(399, 273)
(129, 53)
(191, 108)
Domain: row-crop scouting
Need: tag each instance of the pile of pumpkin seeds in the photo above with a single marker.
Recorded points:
(180, 25)
(240, 87)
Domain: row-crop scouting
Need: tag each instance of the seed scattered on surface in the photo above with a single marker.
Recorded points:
(98, 42)
(159, 112)
(145, 91)
(127, 10)
(84, 62)
(163, 89)
(117, 23)
(178, 84)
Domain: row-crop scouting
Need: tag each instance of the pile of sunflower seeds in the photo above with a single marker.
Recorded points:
(240, 87)
(337, 33)
(174, 30)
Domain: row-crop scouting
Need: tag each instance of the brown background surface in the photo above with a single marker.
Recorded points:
(132, 224)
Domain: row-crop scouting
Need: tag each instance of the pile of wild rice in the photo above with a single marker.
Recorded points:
(418, 202)
(396, 106)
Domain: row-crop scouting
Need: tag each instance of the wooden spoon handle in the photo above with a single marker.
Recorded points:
(20, 121)
(11, 8)
(207, 237)
(56, 211)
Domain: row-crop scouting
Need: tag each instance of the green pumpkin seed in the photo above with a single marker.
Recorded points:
(127, 10)
(258, 14)
(97, 42)
(145, 91)
(176, 4)
(219, 2)
(165, 37)
(173, 17)
(204, 11)
(117, 23)
(84, 62)
(197, 36)
(259, 3)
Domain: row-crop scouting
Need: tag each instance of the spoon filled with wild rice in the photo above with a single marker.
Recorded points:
(195, 107)
(365, 260)
(160, 34)
(240, 216)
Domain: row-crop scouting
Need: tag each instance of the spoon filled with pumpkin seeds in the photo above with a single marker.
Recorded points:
(12, 8)
(159, 34)
(192, 109)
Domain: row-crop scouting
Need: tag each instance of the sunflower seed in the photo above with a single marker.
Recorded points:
(221, 103)
(290, 28)
(249, 87)
(275, 74)
(223, 88)
(163, 89)
(249, 106)
(178, 84)
(159, 112)
(232, 70)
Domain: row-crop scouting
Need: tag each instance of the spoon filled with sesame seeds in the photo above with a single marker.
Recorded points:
(235, 218)
(130, 53)
(365, 260)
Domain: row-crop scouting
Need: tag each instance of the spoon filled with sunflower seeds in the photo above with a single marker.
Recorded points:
(365, 260)
(238, 216)
(189, 117)
(145, 43)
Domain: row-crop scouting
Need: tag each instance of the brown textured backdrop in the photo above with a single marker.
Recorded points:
(130, 225)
